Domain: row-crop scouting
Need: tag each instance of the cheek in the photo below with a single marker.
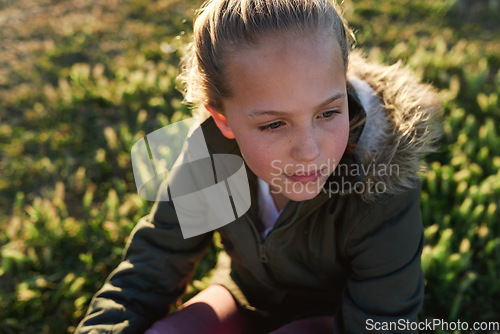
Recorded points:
(338, 141)
(345, 134)
(255, 154)
(260, 156)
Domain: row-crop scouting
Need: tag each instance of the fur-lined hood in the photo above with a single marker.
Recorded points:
(401, 126)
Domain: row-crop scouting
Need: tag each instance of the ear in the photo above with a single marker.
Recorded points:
(221, 122)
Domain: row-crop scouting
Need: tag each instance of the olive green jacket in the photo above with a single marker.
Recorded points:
(353, 253)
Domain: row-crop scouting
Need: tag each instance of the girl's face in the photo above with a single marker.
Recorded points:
(288, 111)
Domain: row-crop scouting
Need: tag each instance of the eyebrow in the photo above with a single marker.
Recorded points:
(255, 113)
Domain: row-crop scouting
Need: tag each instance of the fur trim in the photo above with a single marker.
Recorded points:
(402, 125)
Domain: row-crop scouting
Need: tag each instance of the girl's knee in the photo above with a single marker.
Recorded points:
(211, 311)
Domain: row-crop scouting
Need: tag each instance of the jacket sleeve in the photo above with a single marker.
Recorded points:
(157, 265)
(385, 289)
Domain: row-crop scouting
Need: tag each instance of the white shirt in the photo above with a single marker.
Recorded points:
(268, 213)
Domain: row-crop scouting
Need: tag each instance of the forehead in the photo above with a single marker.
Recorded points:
(285, 71)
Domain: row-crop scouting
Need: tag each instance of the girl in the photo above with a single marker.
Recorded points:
(333, 237)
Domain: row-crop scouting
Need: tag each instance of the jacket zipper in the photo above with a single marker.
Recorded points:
(262, 244)
(262, 247)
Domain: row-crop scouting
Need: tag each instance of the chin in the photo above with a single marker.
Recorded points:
(303, 195)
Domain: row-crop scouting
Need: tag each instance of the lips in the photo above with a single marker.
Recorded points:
(303, 177)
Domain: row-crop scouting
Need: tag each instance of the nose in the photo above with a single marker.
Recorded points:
(306, 146)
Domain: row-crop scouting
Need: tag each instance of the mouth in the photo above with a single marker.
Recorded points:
(303, 177)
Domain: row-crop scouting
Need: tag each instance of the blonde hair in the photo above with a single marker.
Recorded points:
(225, 25)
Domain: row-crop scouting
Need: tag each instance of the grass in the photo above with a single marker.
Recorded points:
(81, 82)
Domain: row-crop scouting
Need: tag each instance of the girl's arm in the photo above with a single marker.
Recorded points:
(158, 264)
(386, 285)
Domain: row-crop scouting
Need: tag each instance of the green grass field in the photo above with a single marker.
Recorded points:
(82, 81)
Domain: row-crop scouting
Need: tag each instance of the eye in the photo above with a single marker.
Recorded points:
(329, 113)
(271, 126)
